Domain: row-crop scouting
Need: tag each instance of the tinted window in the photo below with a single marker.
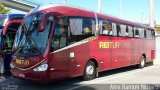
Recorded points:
(145, 33)
(141, 32)
(114, 29)
(130, 31)
(60, 35)
(136, 32)
(80, 28)
(153, 33)
(123, 30)
(118, 29)
(105, 27)
(9, 39)
(87, 26)
(149, 34)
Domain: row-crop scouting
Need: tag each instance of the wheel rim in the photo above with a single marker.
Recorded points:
(90, 70)
(142, 62)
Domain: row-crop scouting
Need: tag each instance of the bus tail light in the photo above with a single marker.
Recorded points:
(42, 67)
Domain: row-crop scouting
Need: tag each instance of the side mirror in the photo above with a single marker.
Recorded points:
(8, 24)
(42, 23)
(44, 19)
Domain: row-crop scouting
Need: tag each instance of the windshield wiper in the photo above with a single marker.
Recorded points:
(28, 50)
(18, 50)
(35, 50)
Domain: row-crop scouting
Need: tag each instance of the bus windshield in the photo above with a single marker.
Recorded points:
(29, 41)
(18, 38)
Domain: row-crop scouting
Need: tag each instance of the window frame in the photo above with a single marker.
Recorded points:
(52, 45)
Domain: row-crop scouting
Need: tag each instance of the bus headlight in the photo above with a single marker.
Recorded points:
(11, 65)
(42, 67)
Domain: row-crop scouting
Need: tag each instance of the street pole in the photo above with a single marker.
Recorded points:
(65, 1)
(151, 15)
(99, 5)
(142, 18)
(120, 9)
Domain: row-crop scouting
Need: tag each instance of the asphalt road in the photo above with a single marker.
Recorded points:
(128, 78)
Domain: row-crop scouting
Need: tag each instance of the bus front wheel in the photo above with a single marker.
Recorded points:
(142, 62)
(90, 71)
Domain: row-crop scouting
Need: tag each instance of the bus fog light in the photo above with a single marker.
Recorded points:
(42, 67)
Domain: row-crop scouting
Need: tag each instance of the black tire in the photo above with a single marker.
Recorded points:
(142, 62)
(90, 71)
(151, 63)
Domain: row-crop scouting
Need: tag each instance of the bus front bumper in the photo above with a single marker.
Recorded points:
(39, 77)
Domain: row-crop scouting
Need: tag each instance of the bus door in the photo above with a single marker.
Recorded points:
(60, 55)
(9, 33)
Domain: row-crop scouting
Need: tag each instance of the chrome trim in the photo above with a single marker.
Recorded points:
(29, 67)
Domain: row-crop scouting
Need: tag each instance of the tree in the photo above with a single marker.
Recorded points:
(3, 9)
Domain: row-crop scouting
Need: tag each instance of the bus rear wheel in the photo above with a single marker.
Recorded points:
(90, 71)
(142, 62)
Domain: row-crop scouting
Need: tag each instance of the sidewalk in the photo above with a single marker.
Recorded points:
(157, 61)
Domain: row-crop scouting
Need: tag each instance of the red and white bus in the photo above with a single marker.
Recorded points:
(60, 41)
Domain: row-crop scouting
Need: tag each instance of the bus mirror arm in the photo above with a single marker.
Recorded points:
(42, 23)
(97, 24)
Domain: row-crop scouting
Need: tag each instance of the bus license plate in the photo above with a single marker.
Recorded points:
(21, 75)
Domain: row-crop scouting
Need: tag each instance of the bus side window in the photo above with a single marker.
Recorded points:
(7, 43)
(87, 26)
(60, 35)
(153, 33)
(106, 28)
(75, 29)
(127, 31)
(114, 29)
(145, 33)
(136, 33)
(122, 30)
(81, 28)
(141, 32)
(100, 27)
(149, 34)
(10, 35)
(118, 30)
(130, 31)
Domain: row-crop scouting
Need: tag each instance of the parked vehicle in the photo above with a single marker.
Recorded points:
(60, 41)
(9, 24)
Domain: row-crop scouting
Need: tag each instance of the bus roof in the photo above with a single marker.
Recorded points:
(66, 10)
(12, 15)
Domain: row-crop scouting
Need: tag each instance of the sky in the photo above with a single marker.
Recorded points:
(133, 10)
